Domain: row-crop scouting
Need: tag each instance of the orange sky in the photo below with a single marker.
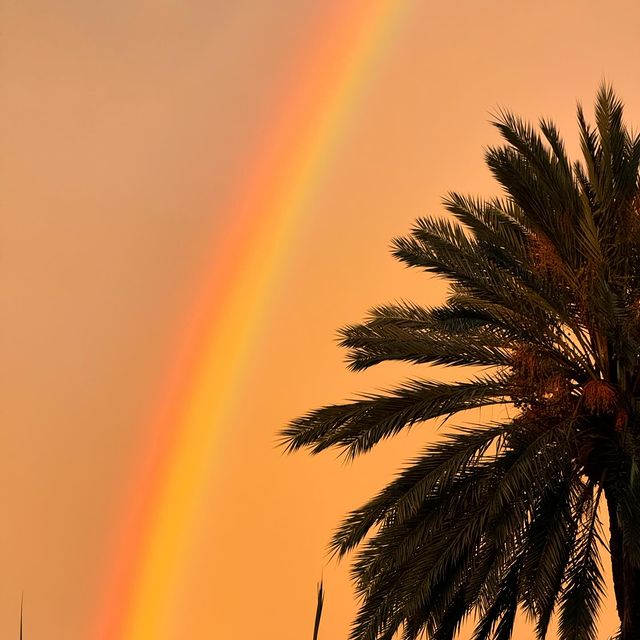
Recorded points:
(125, 126)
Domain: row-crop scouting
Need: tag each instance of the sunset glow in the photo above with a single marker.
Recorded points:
(196, 196)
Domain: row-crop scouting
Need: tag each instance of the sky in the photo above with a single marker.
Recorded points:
(142, 145)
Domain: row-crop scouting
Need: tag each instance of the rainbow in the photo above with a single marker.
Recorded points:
(224, 325)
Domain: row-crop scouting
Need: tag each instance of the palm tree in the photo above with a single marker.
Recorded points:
(545, 298)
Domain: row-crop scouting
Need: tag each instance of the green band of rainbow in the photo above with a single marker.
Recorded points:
(165, 500)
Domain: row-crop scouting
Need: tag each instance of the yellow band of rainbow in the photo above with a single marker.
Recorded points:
(224, 325)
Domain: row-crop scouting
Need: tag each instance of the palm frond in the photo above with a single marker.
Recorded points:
(357, 426)
(581, 596)
(319, 605)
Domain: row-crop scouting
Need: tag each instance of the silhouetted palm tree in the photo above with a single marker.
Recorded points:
(545, 295)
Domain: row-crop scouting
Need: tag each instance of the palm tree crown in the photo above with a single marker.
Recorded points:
(545, 296)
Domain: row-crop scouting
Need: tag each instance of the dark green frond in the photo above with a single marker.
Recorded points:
(440, 465)
(391, 334)
(502, 607)
(580, 599)
(357, 426)
(548, 546)
(319, 605)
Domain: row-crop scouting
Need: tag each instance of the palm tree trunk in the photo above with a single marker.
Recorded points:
(626, 578)
(615, 547)
(631, 620)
